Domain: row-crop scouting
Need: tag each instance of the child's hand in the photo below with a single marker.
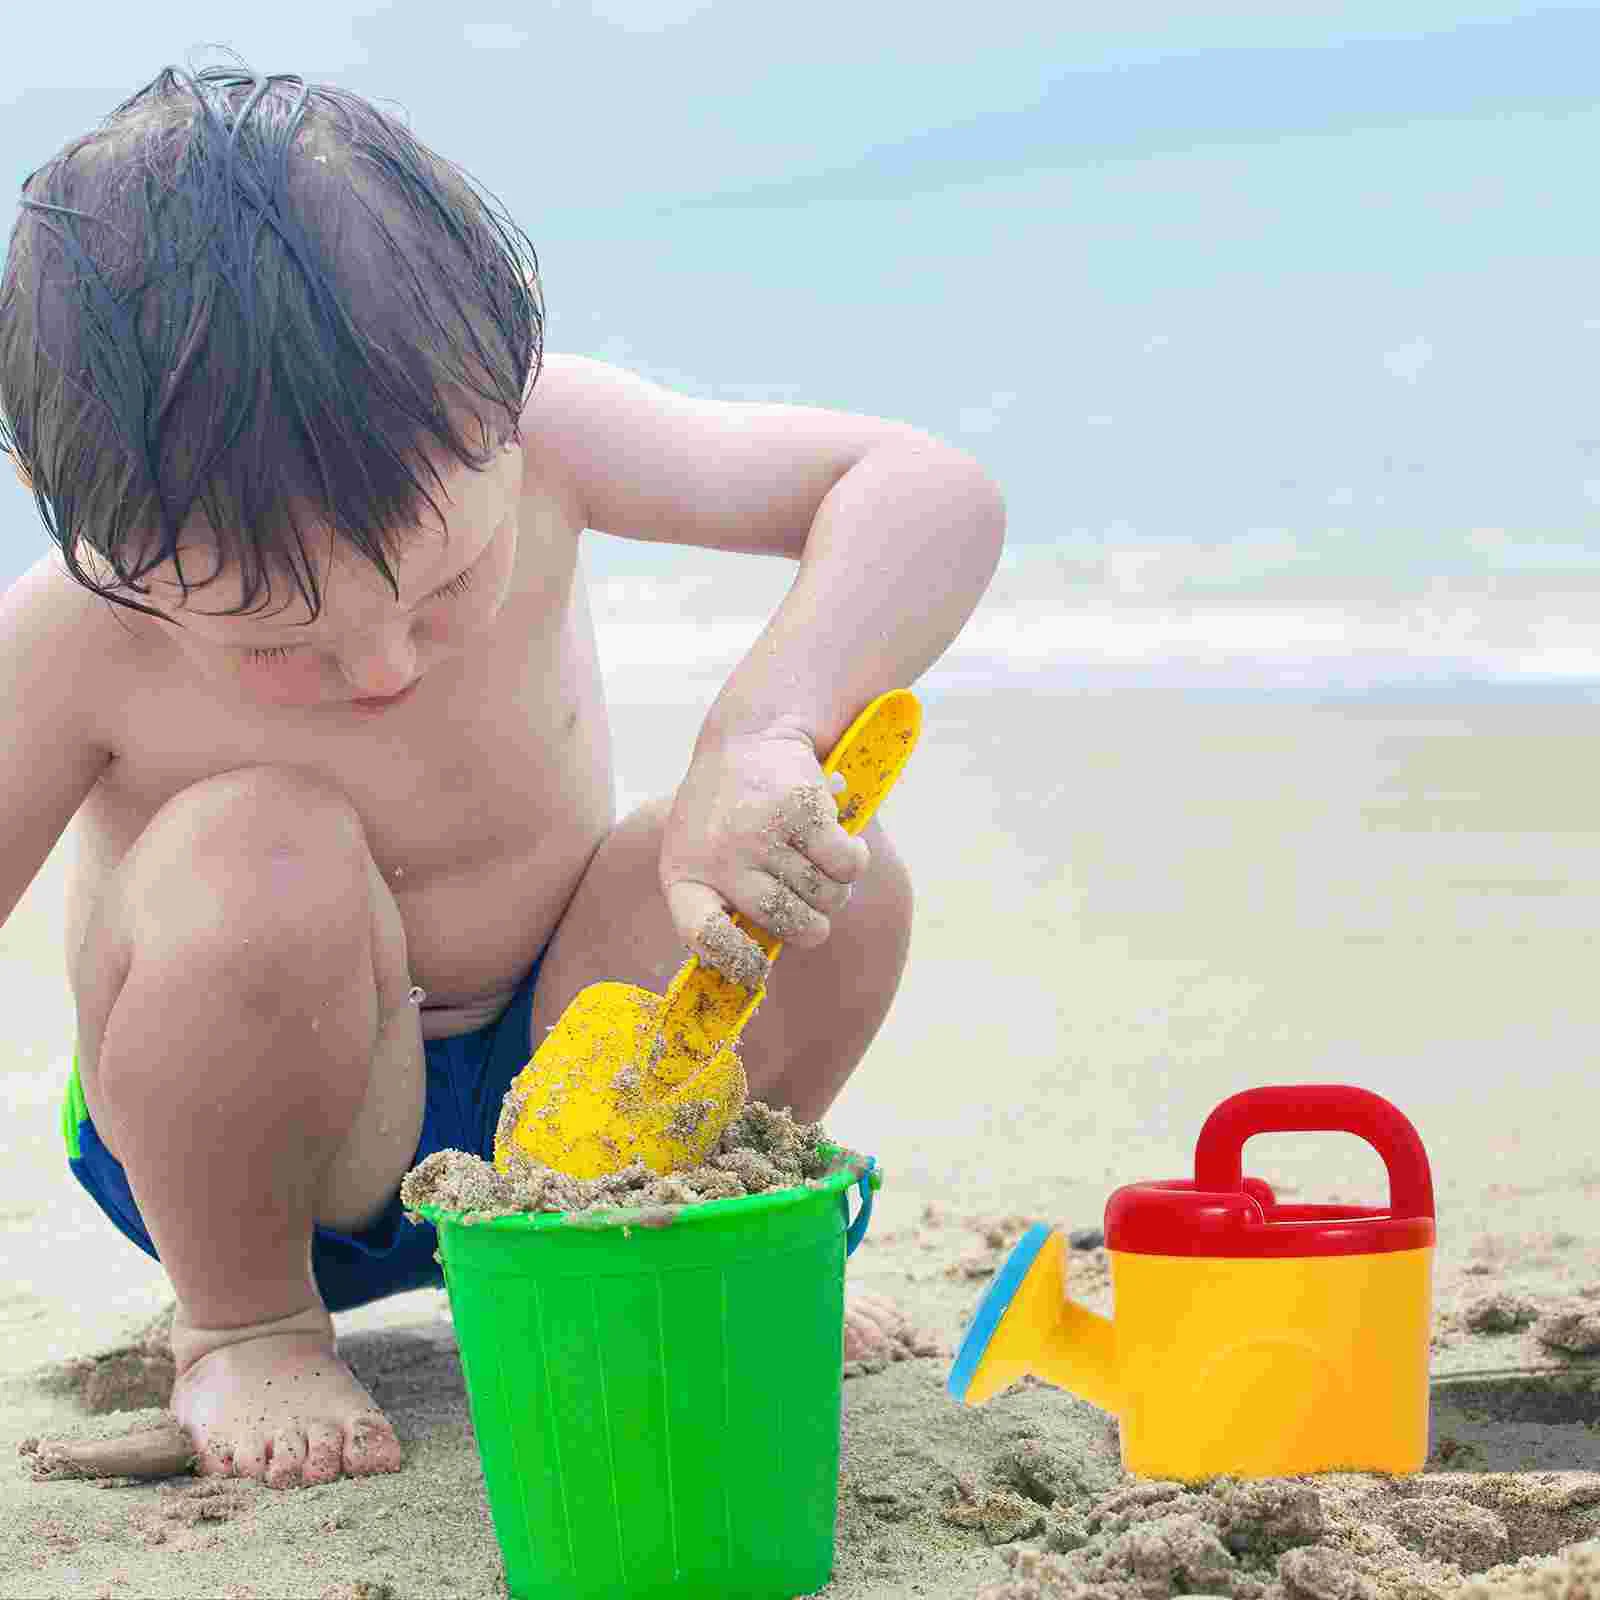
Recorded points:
(754, 829)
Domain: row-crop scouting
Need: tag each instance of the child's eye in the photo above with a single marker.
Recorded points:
(458, 584)
(276, 652)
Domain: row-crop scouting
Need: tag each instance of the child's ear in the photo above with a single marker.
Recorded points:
(23, 475)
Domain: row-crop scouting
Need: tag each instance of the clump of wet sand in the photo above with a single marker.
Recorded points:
(877, 1333)
(120, 1445)
(762, 1149)
(1576, 1576)
(134, 1375)
(1338, 1537)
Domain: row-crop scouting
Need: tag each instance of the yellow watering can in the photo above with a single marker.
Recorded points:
(1250, 1338)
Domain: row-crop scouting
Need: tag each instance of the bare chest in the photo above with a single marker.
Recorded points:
(465, 769)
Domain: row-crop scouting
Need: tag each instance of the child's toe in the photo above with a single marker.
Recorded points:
(252, 1455)
(213, 1455)
(324, 1452)
(371, 1446)
(287, 1466)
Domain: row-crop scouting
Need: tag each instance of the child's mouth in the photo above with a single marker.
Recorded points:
(383, 702)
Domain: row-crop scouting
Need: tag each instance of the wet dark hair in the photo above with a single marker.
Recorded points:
(265, 302)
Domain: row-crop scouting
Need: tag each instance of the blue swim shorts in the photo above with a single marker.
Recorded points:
(467, 1078)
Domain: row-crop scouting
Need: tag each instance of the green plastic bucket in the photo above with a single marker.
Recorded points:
(657, 1406)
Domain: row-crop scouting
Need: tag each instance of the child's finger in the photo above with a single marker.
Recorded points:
(694, 906)
(775, 908)
(701, 917)
(808, 880)
(842, 856)
(772, 904)
(808, 822)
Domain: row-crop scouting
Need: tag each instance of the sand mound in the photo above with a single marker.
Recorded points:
(761, 1149)
(133, 1375)
(1336, 1538)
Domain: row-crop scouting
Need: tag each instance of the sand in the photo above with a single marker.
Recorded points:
(1117, 926)
(130, 1445)
(763, 1148)
(1023, 1499)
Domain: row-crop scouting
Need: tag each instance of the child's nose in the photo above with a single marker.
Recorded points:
(383, 664)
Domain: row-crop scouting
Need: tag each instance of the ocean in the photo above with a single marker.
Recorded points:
(1054, 622)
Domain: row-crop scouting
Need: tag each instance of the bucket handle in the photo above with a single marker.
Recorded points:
(870, 1181)
(1315, 1108)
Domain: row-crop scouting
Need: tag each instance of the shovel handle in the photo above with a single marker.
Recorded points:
(870, 754)
(1315, 1108)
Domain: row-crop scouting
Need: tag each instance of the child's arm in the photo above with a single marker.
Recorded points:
(49, 760)
(897, 536)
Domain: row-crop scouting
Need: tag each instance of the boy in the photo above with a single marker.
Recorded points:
(336, 748)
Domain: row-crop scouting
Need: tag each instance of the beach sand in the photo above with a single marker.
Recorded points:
(1130, 907)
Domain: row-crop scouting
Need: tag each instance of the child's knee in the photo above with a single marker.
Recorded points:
(244, 907)
(267, 861)
(256, 811)
(886, 895)
(643, 827)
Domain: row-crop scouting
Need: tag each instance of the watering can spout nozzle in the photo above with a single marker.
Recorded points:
(1027, 1327)
(1082, 1358)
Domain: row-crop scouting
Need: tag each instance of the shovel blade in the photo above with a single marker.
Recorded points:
(592, 1100)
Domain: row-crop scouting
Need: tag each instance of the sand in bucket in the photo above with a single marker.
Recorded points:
(653, 1364)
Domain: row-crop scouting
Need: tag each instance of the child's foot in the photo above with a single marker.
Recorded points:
(877, 1333)
(275, 1402)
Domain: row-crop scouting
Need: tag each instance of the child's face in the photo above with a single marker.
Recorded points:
(365, 648)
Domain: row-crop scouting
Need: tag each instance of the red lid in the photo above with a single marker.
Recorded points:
(1220, 1212)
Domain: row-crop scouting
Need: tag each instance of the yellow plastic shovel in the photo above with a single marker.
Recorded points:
(629, 1075)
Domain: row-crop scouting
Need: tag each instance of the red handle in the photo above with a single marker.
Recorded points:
(1315, 1108)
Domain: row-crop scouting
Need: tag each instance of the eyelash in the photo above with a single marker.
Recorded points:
(279, 652)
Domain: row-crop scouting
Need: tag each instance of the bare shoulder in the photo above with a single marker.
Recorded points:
(47, 590)
(54, 723)
(561, 399)
(62, 635)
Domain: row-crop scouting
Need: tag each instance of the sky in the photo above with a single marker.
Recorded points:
(1235, 291)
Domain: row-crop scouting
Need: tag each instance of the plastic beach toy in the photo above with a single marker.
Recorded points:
(656, 1399)
(629, 1075)
(1250, 1338)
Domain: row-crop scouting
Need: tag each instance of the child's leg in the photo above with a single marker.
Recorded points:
(248, 1054)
